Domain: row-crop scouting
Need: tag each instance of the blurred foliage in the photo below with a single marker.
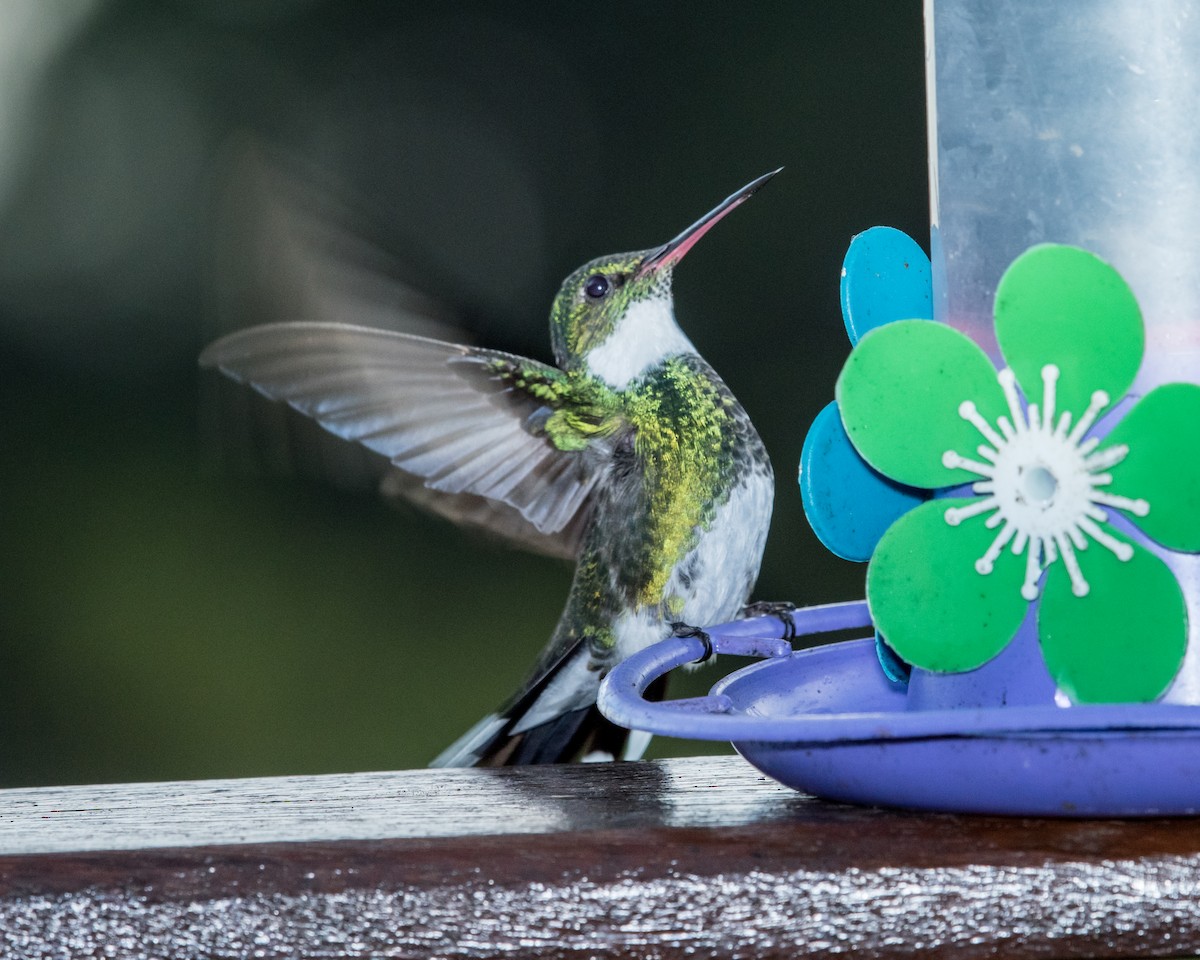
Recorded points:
(164, 615)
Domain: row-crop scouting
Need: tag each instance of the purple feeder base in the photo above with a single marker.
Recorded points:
(828, 722)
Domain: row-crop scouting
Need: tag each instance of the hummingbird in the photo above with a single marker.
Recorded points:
(630, 455)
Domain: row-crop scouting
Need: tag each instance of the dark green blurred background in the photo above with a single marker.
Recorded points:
(167, 614)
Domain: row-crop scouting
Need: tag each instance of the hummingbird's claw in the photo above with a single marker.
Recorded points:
(779, 609)
(686, 631)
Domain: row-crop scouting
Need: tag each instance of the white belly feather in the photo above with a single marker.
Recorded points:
(723, 567)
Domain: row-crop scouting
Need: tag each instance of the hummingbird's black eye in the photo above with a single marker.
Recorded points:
(597, 286)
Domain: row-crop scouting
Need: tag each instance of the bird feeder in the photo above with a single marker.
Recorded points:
(1010, 451)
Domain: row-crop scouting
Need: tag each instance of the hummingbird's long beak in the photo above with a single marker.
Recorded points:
(674, 250)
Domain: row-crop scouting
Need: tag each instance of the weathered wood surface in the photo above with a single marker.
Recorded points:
(696, 858)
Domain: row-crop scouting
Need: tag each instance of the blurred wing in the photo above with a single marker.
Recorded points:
(469, 423)
(292, 246)
(492, 517)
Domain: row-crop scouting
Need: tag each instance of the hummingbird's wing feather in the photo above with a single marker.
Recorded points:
(470, 424)
(494, 517)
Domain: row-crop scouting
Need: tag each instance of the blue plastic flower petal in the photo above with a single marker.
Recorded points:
(885, 277)
(848, 504)
(894, 667)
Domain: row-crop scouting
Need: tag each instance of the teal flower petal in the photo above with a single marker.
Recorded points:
(1161, 467)
(926, 596)
(1124, 640)
(848, 504)
(900, 394)
(895, 669)
(1064, 306)
(885, 277)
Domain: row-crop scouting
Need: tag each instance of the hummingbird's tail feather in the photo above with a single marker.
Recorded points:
(560, 740)
(467, 749)
(582, 734)
(507, 738)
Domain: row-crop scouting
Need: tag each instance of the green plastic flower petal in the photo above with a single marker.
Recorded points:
(900, 394)
(1161, 467)
(1122, 642)
(936, 610)
(1061, 305)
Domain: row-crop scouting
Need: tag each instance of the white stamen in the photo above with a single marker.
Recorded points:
(1049, 389)
(1077, 537)
(969, 412)
(1049, 550)
(1099, 402)
(986, 563)
(1119, 548)
(1093, 511)
(956, 515)
(1107, 458)
(1139, 508)
(1008, 383)
(1033, 570)
(952, 461)
(1079, 586)
(1039, 483)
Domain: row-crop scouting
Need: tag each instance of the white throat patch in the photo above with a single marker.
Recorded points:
(646, 335)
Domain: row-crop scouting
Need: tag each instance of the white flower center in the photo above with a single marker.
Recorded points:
(1039, 485)
(1041, 480)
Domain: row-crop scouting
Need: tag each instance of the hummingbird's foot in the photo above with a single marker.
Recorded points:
(780, 609)
(686, 630)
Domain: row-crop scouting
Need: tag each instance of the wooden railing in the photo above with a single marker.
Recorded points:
(682, 858)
